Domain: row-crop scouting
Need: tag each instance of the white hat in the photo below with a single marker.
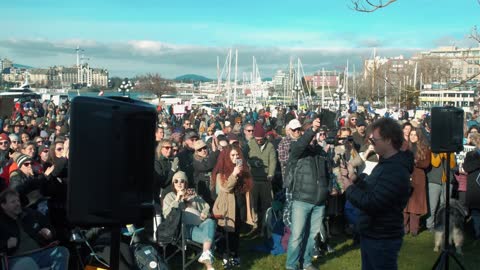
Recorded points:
(227, 123)
(294, 124)
(218, 132)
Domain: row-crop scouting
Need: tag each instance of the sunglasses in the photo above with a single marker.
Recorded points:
(181, 181)
(45, 151)
(26, 164)
(296, 130)
(322, 134)
(249, 130)
(374, 140)
(4, 143)
(15, 141)
(59, 149)
(167, 147)
(201, 149)
(353, 119)
(39, 141)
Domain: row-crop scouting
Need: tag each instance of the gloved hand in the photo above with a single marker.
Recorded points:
(175, 164)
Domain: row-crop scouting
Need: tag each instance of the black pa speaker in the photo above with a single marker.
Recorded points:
(111, 160)
(447, 129)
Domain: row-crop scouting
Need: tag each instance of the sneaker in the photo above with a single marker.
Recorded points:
(231, 262)
(205, 258)
(236, 261)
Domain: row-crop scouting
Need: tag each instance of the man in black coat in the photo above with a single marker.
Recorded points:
(307, 181)
(26, 234)
(471, 165)
(381, 197)
(185, 157)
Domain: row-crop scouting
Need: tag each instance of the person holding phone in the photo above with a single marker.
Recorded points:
(308, 180)
(233, 181)
(196, 213)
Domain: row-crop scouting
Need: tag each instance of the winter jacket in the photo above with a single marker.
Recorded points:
(262, 162)
(186, 163)
(382, 196)
(308, 171)
(30, 188)
(32, 222)
(162, 177)
(471, 165)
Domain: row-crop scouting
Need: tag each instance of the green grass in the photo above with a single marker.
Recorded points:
(416, 253)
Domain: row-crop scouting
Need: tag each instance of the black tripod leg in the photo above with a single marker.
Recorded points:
(440, 262)
(458, 262)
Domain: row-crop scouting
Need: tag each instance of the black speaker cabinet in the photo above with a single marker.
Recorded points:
(447, 129)
(111, 160)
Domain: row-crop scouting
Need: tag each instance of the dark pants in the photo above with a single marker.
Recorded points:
(379, 254)
(261, 199)
(475, 213)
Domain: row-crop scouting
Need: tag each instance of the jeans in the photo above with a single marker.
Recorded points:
(379, 254)
(204, 232)
(54, 258)
(435, 195)
(304, 216)
(475, 213)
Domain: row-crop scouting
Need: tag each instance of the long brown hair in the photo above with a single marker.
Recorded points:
(422, 145)
(225, 168)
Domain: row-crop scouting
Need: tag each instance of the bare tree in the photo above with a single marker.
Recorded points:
(154, 83)
(370, 5)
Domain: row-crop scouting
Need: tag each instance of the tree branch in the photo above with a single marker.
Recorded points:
(371, 5)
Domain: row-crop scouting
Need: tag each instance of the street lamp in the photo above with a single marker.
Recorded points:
(125, 87)
(297, 90)
(339, 92)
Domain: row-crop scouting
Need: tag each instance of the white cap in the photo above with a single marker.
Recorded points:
(294, 124)
(227, 123)
(218, 132)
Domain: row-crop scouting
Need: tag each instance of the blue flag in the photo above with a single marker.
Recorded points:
(352, 105)
(370, 110)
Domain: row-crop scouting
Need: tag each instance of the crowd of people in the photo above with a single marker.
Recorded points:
(369, 176)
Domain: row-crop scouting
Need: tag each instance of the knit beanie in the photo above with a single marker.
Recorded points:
(258, 131)
(22, 158)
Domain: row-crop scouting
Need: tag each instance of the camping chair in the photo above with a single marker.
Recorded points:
(183, 244)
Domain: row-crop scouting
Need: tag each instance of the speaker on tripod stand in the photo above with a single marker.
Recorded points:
(447, 137)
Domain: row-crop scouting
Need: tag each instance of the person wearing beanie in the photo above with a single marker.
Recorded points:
(262, 160)
(195, 215)
(14, 142)
(26, 183)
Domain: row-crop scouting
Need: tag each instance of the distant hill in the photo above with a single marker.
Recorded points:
(267, 79)
(192, 78)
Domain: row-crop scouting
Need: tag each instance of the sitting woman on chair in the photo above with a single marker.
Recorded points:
(199, 227)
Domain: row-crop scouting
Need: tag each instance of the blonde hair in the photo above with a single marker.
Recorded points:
(475, 139)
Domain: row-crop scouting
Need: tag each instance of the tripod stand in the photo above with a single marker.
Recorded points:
(443, 260)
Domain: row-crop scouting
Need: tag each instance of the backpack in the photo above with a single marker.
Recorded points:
(147, 258)
(168, 231)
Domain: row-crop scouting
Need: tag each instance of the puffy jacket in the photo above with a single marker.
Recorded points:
(382, 196)
(308, 171)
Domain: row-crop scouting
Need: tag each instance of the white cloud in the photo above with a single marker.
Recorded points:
(170, 60)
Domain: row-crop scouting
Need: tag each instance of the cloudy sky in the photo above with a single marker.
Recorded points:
(178, 37)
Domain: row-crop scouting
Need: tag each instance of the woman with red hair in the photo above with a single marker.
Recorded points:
(232, 180)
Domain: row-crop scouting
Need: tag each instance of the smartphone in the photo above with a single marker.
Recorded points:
(239, 162)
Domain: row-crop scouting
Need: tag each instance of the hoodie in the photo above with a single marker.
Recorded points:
(382, 196)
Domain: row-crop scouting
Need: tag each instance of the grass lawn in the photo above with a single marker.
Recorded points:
(416, 253)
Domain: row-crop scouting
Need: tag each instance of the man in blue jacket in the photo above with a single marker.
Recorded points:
(381, 197)
(307, 178)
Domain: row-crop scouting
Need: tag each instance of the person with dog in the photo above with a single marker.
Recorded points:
(381, 197)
